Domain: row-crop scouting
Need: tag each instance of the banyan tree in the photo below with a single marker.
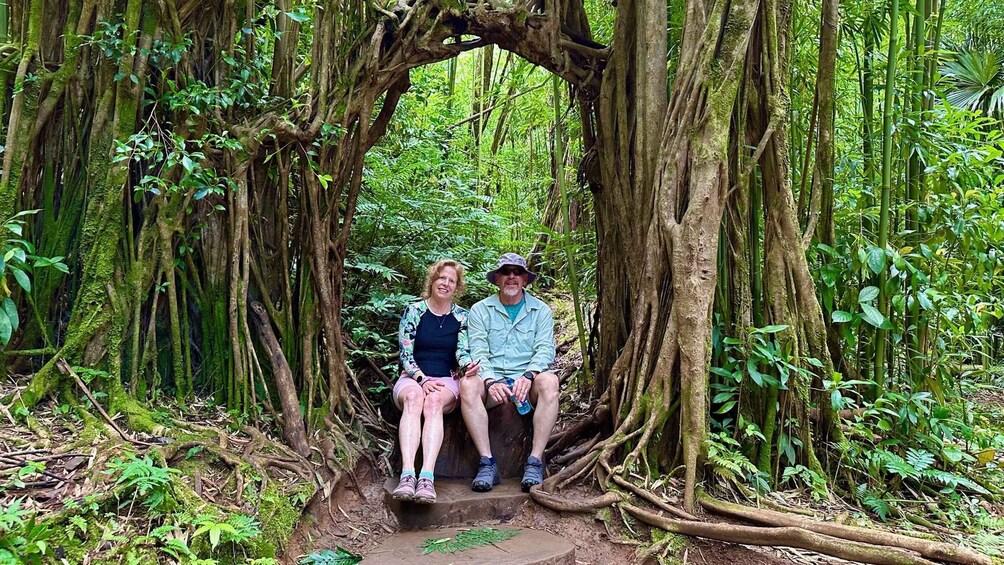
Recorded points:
(199, 164)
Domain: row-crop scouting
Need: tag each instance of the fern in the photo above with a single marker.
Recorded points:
(466, 540)
(143, 479)
(726, 460)
(338, 556)
(872, 501)
(898, 466)
(953, 481)
(920, 459)
(245, 527)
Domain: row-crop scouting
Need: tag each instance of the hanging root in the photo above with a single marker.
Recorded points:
(786, 536)
(926, 548)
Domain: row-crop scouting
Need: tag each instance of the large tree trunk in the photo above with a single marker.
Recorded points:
(661, 214)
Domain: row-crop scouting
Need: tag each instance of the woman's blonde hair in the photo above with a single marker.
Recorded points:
(436, 269)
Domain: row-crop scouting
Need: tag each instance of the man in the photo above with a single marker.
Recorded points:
(512, 337)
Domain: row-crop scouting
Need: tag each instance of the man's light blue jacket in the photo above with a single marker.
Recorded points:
(506, 348)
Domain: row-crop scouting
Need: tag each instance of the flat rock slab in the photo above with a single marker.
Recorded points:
(529, 547)
(457, 504)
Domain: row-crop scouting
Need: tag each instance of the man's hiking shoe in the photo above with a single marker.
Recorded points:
(533, 473)
(405, 489)
(488, 476)
(425, 492)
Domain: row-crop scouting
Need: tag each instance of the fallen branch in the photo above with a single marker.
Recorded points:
(926, 548)
(784, 536)
(293, 429)
(65, 368)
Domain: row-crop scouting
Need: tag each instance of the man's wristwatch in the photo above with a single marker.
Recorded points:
(419, 378)
(528, 375)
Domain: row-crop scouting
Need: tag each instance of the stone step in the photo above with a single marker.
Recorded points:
(529, 547)
(456, 504)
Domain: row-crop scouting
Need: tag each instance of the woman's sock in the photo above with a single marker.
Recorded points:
(427, 475)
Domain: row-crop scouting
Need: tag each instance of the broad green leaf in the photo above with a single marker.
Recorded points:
(868, 294)
(876, 260)
(5, 330)
(21, 278)
(298, 17)
(840, 317)
(754, 373)
(11, 310)
(872, 315)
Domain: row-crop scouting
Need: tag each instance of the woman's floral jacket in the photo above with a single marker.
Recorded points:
(409, 327)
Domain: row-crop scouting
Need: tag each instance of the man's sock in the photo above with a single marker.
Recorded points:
(407, 473)
(427, 475)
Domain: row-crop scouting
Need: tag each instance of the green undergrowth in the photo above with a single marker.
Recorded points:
(914, 458)
(138, 509)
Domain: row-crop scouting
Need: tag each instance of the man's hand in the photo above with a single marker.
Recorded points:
(521, 388)
(470, 370)
(499, 392)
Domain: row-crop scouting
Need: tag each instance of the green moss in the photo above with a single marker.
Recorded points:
(278, 514)
(674, 544)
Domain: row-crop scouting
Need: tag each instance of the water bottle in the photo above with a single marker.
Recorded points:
(522, 407)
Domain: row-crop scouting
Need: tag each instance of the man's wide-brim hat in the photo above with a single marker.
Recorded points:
(514, 260)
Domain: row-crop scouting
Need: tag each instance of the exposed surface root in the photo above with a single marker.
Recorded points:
(786, 536)
(563, 504)
(926, 548)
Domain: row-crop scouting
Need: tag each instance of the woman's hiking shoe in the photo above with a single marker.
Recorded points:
(488, 476)
(533, 473)
(406, 488)
(425, 492)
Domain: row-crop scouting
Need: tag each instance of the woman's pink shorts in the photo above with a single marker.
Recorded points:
(404, 382)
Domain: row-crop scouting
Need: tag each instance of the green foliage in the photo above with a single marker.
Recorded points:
(237, 529)
(729, 463)
(143, 480)
(467, 539)
(815, 481)
(22, 539)
(338, 556)
(976, 80)
(17, 262)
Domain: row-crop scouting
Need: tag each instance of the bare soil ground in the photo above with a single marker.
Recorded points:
(358, 520)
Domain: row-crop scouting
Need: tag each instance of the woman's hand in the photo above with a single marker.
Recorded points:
(431, 386)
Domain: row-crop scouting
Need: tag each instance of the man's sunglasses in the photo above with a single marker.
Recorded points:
(513, 271)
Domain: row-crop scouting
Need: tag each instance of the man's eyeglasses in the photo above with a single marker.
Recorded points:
(511, 271)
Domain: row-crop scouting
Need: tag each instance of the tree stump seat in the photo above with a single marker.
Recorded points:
(509, 432)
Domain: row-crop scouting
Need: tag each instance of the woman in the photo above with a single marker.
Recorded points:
(433, 341)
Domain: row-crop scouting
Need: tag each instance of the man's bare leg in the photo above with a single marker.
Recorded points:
(544, 396)
(472, 406)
